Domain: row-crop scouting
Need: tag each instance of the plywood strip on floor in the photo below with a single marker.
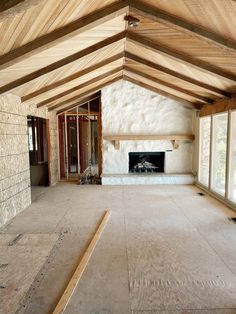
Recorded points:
(64, 300)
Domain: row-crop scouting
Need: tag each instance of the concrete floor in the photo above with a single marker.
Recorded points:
(165, 250)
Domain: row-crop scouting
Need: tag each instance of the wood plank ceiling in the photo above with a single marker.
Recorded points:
(56, 53)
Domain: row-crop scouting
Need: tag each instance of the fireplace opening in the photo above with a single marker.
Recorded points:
(144, 162)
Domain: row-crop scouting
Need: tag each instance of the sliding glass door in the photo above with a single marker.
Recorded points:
(204, 156)
(219, 148)
(232, 159)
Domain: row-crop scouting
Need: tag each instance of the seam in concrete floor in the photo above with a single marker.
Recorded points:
(39, 277)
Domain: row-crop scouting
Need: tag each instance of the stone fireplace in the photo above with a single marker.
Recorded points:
(129, 110)
(146, 162)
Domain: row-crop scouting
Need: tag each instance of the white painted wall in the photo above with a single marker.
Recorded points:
(129, 109)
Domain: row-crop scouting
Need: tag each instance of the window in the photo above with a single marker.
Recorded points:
(219, 145)
(204, 150)
(232, 159)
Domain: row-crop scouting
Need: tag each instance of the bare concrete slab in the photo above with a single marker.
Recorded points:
(165, 250)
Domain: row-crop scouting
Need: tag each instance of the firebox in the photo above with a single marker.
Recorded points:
(146, 162)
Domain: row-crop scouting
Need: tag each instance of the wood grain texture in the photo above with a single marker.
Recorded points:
(183, 58)
(81, 86)
(180, 24)
(62, 63)
(172, 86)
(136, 137)
(70, 69)
(79, 103)
(72, 77)
(219, 106)
(62, 34)
(175, 74)
(73, 283)
(88, 92)
(10, 8)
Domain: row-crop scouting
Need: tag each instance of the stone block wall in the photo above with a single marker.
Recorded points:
(129, 109)
(15, 193)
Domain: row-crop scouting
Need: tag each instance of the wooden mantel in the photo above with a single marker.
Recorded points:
(175, 139)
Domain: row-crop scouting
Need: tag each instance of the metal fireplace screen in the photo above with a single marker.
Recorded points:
(144, 162)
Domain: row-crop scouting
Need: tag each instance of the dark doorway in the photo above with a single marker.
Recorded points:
(38, 151)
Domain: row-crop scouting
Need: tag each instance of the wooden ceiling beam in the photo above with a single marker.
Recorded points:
(9, 8)
(62, 34)
(61, 63)
(221, 105)
(161, 92)
(178, 75)
(174, 22)
(80, 86)
(80, 103)
(170, 85)
(87, 93)
(72, 77)
(180, 57)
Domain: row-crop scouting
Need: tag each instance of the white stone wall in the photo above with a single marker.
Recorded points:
(15, 194)
(129, 109)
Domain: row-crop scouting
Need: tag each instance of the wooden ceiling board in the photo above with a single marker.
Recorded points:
(63, 50)
(217, 16)
(171, 79)
(48, 16)
(86, 91)
(77, 82)
(212, 64)
(162, 87)
(178, 66)
(187, 44)
(75, 90)
(64, 72)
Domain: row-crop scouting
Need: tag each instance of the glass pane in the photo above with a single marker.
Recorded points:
(30, 136)
(204, 150)
(232, 159)
(219, 145)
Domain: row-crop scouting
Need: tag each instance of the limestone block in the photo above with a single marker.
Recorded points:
(9, 181)
(14, 164)
(14, 205)
(13, 144)
(14, 189)
(12, 129)
(6, 117)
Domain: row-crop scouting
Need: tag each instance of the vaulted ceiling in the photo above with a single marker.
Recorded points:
(58, 53)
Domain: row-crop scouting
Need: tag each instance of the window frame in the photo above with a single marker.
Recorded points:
(225, 197)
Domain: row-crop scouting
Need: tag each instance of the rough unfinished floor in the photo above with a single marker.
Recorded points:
(165, 250)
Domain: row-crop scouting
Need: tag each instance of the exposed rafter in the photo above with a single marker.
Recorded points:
(62, 34)
(87, 93)
(72, 77)
(10, 8)
(178, 75)
(80, 103)
(59, 64)
(219, 106)
(161, 92)
(167, 84)
(183, 58)
(179, 24)
(79, 87)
